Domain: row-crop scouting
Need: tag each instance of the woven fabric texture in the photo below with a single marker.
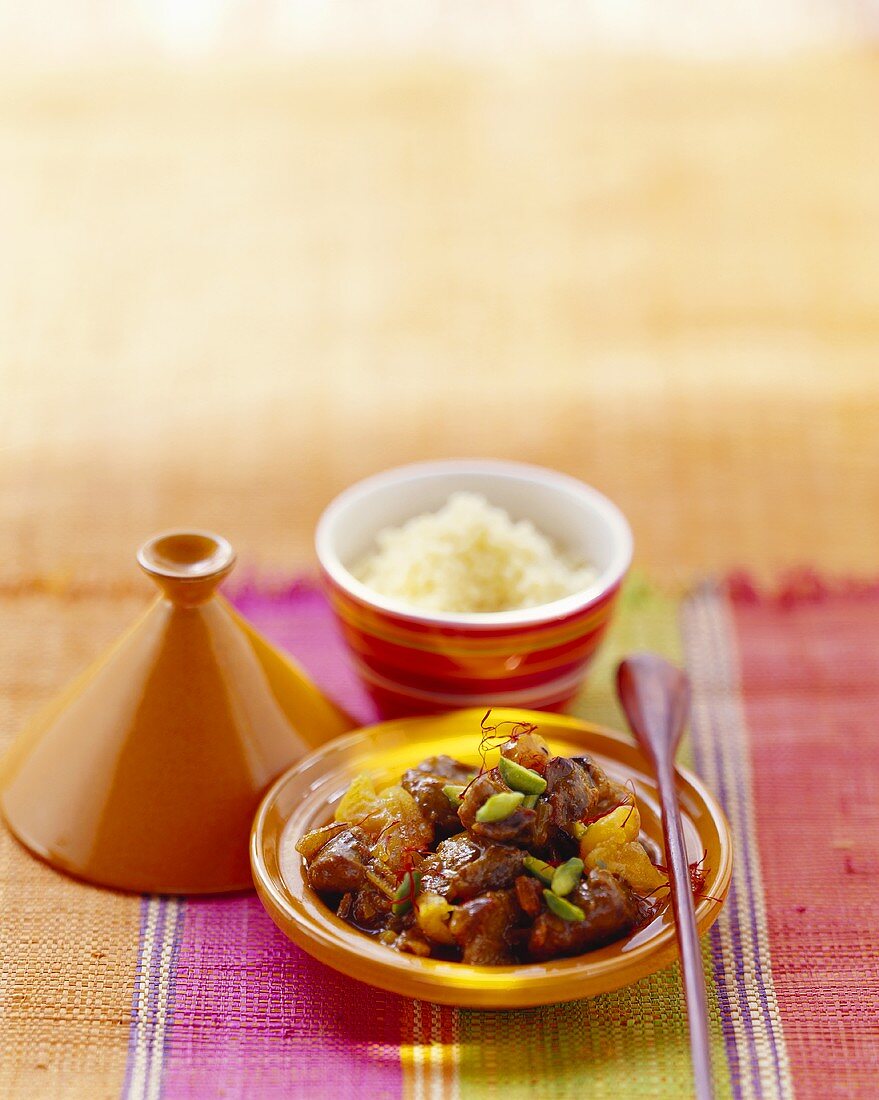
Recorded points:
(103, 995)
(228, 292)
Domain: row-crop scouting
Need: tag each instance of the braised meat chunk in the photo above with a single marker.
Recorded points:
(478, 793)
(446, 767)
(340, 865)
(529, 895)
(465, 865)
(372, 906)
(534, 858)
(610, 910)
(484, 928)
(439, 871)
(570, 791)
(427, 783)
(608, 793)
(495, 867)
(524, 826)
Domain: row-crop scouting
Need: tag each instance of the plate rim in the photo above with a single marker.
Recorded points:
(532, 980)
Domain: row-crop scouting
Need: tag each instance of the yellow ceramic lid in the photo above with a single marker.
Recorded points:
(146, 773)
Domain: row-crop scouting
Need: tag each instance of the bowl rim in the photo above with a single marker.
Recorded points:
(605, 582)
(446, 982)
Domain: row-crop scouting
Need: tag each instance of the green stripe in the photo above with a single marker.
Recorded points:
(630, 1042)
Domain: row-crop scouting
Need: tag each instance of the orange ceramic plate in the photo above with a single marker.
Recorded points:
(305, 797)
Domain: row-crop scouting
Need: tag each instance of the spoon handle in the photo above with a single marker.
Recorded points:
(656, 697)
(688, 937)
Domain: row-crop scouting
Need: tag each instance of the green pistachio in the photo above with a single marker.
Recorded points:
(567, 876)
(405, 893)
(453, 792)
(562, 908)
(521, 779)
(529, 801)
(540, 870)
(499, 806)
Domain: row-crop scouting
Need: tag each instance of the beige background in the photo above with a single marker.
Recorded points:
(228, 291)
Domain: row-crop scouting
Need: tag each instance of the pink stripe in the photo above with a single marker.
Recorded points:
(253, 1016)
(300, 621)
(256, 1017)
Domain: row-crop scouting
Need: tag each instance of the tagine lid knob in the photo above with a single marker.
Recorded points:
(187, 564)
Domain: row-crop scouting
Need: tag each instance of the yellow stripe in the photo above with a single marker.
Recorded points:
(430, 1066)
(433, 1037)
(411, 1053)
(450, 1056)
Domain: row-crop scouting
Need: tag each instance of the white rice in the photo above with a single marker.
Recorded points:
(470, 556)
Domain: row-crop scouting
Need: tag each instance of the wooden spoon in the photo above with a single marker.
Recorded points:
(656, 698)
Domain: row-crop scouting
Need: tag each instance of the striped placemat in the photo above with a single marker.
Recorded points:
(786, 689)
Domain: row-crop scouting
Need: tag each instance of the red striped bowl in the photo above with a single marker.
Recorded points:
(423, 661)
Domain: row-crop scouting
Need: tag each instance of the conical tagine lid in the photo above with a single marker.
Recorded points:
(146, 773)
